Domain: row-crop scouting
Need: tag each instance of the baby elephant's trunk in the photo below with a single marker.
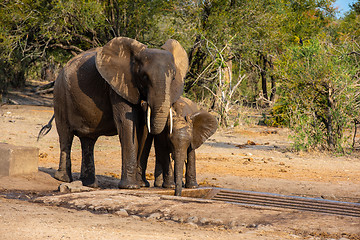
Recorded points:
(178, 169)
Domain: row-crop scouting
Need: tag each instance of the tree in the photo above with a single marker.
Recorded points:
(34, 31)
(319, 92)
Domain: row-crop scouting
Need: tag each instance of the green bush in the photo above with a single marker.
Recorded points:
(318, 89)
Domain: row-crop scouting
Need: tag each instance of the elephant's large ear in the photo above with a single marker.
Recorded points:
(181, 63)
(204, 125)
(114, 62)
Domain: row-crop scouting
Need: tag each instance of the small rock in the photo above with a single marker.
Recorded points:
(252, 225)
(123, 213)
(81, 206)
(248, 160)
(232, 224)
(64, 188)
(99, 208)
(192, 220)
(75, 186)
(192, 224)
(155, 215)
(204, 221)
(218, 222)
(136, 217)
(177, 219)
(166, 212)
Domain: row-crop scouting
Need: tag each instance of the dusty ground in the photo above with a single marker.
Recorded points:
(227, 160)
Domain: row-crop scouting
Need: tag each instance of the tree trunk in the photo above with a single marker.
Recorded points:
(196, 62)
(263, 76)
(273, 83)
(330, 130)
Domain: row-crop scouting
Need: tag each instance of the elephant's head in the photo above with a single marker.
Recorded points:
(189, 133)
(138, 73)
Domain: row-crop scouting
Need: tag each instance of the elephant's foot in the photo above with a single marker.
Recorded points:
(90, 182)
(144, 183)
(63, 176)
(158, 182)
(191, 185)
(126, 184)
(168, 184)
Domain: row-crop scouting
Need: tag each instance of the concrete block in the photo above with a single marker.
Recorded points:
(16, 160)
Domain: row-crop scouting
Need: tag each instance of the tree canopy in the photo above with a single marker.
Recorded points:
(293, 57)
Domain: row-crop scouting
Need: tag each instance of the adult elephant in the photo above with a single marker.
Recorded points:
(190, 128)
(99, 93)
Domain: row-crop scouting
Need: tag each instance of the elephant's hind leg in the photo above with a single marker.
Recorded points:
(64, 172)
(87, 175)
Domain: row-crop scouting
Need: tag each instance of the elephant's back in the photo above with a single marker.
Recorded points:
(81, 97)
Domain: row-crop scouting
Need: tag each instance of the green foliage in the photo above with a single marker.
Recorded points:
(34, 31)
(240, 51)
(319, 91)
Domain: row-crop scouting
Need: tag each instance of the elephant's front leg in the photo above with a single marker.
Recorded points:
(190, 175)
(126, 118)
(143, 155)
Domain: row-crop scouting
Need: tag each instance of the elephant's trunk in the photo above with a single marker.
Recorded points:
(158, 114)
(178, 170)
(148, 120)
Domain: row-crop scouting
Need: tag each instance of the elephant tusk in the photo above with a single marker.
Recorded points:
(148, 118)
(171, 121)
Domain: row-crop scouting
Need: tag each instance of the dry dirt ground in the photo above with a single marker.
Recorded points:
(250, 158)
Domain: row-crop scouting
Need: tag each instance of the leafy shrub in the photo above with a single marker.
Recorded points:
(318, 87)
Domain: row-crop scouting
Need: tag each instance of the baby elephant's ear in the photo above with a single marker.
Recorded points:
(204, 125)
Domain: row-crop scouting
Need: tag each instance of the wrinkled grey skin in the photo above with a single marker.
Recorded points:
(99, 93)
(191, 128)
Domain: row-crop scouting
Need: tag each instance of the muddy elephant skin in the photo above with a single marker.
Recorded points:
(99, 92)
(191, 128)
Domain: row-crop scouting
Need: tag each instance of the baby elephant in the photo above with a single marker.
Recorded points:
(188, 130)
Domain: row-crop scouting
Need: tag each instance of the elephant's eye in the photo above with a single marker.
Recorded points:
(145, 79)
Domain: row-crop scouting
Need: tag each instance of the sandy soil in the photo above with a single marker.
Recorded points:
(247, 157)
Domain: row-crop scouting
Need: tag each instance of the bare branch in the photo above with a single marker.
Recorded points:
(71, 47)
(353, 52)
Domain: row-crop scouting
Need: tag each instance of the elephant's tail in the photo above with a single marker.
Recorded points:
(45, 129)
